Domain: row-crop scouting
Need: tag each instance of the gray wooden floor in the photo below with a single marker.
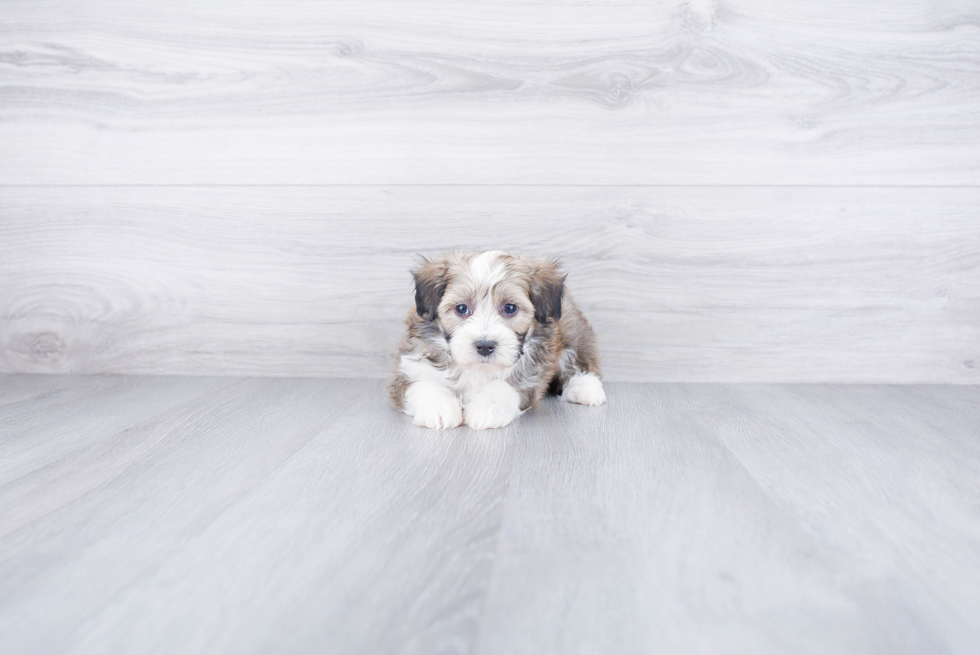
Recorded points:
(211, 515)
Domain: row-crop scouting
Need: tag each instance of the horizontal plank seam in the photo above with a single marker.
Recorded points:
(503, 185)
(4, 373)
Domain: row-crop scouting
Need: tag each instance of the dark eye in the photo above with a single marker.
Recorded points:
(510, 309)
(462, 310)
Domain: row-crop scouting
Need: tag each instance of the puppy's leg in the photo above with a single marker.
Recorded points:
(584, 389)
(495, 405)
(422, 391)
(432, 405)
(578, 365)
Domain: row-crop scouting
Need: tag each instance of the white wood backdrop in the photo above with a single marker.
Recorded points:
(682, 283)
(442, 91)
(750, 190)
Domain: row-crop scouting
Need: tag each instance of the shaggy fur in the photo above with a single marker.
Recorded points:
(516, 306)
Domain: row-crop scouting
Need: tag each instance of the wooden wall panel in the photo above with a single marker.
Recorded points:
(682, 283)
(571, 92)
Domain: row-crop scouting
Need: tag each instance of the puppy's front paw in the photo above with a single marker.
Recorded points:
(493, 406)
(433, 406)
(584, 389)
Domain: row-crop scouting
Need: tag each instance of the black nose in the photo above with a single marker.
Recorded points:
(485, 347)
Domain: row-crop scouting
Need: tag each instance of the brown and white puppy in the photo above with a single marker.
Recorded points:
(490, 334)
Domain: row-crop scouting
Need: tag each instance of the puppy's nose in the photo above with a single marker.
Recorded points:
(484, 347)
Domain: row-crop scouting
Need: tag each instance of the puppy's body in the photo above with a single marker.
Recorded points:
(490, 335)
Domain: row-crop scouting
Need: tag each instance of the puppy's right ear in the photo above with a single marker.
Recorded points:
(431, 280)
(547, 291)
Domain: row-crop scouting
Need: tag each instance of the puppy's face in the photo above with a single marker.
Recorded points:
(487, 304)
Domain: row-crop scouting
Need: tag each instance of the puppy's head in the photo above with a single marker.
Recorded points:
(487, 304)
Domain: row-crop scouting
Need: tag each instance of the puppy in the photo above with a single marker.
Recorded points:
(490, 334)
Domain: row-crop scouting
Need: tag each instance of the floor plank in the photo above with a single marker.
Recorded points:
(880, 488)
(279, 502)
(300, 515)
(701, 284)
(634, 529)
(566, 92)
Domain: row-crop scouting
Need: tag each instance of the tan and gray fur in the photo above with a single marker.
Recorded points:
(490, 334)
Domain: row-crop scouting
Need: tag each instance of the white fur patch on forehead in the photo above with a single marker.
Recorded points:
(487, 268)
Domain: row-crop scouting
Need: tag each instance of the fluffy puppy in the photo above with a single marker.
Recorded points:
(490, 334)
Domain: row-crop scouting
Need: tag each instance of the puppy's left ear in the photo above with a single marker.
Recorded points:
(547, 290)
(431, 279)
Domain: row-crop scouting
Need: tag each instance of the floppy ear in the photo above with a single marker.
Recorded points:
(431, 279)
(547, 290)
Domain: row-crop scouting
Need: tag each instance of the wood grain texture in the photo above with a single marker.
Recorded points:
(681, 284)
(252, 516)
(203, 515)
(570, 92)
(743, 518)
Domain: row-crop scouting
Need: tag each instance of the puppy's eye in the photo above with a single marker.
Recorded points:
(462, 310)
(510, 309)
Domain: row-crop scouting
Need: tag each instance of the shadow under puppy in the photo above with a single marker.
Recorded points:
(490, 334)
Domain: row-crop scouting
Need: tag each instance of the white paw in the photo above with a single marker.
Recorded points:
(584, 389)
(493, 406)
(432, 405)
